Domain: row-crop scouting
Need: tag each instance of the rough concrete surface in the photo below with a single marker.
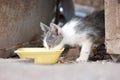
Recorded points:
(20, 22)
(24, 69)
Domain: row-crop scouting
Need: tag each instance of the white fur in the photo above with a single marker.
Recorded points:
(85, 51)
(73, 39)
(69, 35)
(45, 43)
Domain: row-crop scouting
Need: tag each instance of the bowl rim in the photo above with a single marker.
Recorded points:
(51, 50)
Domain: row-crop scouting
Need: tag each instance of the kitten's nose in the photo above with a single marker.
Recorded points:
(49, 46)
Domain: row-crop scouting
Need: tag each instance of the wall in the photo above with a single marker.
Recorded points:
(98, 4)
(112, 26)
(19, 21)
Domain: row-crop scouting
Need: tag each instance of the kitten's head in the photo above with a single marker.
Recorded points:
(52, 35)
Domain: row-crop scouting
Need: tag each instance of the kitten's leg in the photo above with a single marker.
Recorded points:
(85, 51)
(78, 51)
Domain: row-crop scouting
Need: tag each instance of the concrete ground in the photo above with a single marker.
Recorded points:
(25, 69)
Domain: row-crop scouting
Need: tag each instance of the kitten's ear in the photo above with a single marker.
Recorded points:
(44, 27)
(55, 29)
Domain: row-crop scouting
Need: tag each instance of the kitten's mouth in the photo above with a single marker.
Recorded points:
(49, 46)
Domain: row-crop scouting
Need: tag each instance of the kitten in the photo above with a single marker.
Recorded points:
(84, 32)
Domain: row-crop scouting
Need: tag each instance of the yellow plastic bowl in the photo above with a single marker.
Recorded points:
(40, 55)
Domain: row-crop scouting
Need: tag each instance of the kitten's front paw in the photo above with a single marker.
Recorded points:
(80, 59)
